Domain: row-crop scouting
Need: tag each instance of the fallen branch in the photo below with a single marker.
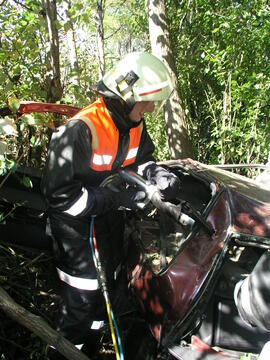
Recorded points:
(38, 326)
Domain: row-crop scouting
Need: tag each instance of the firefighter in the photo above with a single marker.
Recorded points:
(252, 299)
(104, 137)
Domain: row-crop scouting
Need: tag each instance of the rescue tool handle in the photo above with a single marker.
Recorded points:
(153, 195)
(173, 210)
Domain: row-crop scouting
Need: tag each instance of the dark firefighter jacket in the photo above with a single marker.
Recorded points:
(71, 177)
(90, 147)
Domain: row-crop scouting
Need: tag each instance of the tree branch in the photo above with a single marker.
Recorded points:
(3, 2)
(38, 326)
(23, 5)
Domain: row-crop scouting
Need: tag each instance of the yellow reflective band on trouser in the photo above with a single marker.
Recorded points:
(78, 282)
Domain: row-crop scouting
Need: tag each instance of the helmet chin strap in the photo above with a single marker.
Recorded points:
(130, 102)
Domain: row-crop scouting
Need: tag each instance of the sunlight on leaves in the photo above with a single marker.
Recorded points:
(13, 104)
(3, 147)
(7, 126)
(28, 119)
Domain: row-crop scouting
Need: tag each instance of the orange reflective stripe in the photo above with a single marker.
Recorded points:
(105, 137)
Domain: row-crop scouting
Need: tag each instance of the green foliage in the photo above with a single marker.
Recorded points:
(21, 44)
(8, 134)
(24, 140)
(23, 63)
(222, 56)
(156, 129)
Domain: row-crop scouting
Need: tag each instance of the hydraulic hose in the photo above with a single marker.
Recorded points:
(116, 339)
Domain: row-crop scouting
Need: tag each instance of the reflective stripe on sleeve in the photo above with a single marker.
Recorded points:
(77, 282)
(80, 205)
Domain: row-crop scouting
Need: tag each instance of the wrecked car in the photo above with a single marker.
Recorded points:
(183, 259)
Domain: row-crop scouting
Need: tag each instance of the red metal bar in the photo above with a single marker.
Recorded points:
(27, 107)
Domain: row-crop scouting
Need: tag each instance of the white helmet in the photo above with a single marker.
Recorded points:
(139, 76)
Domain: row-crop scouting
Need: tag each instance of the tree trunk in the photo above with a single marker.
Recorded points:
(100, 36)
(37, 325)
(75, 73)
(53, 78)
(176, 127)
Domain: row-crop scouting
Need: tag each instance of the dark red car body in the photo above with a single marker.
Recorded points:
(238, 210)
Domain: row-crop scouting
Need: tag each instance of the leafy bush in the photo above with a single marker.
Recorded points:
(24, 139)
(222, 53)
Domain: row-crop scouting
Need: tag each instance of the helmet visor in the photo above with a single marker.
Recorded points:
(159, 104)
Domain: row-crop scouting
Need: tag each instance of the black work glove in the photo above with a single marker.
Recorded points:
(167, 183)
(107, 199)
(131, 197)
